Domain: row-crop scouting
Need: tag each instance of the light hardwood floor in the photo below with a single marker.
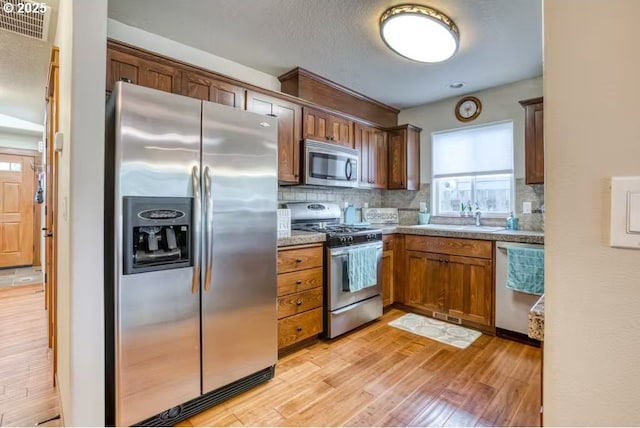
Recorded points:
(376, 376)
(382, 376)
(27, 395)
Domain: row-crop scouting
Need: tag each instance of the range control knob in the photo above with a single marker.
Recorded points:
(350, 240)
(343, 240)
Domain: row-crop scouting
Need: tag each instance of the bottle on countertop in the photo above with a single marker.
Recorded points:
(512, 222)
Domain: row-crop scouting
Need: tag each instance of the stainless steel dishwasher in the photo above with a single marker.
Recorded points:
(512, 307)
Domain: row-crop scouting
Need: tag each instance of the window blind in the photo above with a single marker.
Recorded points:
(471, 151)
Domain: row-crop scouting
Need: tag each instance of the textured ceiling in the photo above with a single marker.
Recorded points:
(24, 65)
(501, 41)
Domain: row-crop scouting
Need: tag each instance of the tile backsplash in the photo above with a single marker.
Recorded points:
(408, 201)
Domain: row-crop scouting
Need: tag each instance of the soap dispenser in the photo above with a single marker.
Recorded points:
(512, 222)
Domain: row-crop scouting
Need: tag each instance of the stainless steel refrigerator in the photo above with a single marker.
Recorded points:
(190, 272)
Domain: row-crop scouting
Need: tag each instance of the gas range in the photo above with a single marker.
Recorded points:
(343, 235)
(324, 217)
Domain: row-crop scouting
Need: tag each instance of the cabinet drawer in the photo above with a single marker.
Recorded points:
(293, 304)
(453, 246)
(299, 327)
(297, 281)
(299, 258)
(387, 242)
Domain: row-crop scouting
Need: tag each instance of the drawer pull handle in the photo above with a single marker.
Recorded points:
(299, 302)
(298, 282)
(298, 260)
(299, 329)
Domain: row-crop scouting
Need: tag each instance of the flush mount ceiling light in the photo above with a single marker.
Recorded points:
(419, 33)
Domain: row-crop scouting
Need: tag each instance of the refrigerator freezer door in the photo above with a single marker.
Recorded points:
(239, 317)
(157, 318)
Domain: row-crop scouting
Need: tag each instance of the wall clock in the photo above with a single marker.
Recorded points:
(468, 108)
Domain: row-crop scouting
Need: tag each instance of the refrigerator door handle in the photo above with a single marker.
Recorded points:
(195, 182)
(208, 232)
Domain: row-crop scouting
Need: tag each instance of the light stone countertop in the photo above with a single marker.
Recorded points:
(524, 236)
(299, 238)
(528, 237)
(536, 320)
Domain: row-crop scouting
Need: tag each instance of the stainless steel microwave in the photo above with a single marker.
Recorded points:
(330, 164)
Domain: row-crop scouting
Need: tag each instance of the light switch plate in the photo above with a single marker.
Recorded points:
(526, 208)
(625, 212)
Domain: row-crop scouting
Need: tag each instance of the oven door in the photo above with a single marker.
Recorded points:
(330, 165)
(339, 280)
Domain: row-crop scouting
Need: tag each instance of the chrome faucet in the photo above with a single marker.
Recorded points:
(478, 213)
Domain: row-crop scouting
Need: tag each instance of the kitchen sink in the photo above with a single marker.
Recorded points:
(460, 228)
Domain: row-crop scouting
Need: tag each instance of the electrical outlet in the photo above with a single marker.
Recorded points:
(526, 208)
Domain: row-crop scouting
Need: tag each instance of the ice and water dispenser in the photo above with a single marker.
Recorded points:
(157, 234)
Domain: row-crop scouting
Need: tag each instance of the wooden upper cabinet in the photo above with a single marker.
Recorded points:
(328, 128)
(316, 125)
(404, 157)
(534, 140)
(372, 145)
(341, 131)
(140, 71)
(289, 132)
(197, 85)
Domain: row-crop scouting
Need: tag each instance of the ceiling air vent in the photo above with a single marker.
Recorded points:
(25, 17)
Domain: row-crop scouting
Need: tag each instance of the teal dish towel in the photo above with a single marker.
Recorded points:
(525, 271)
(362, 270)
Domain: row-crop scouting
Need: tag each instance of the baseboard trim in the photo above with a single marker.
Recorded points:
(57, 385)
(517, 337)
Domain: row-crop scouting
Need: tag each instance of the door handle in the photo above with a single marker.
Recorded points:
(48, 235)
(208, 251)
(197, 207)
(348, 169)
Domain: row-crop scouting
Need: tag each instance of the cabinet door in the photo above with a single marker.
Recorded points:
(387, 277)
(363, 143)
(341, 131)
(316, 125)
(470, 289)
(534, 143)
(380, 160)
(205, 88)
(289, 132)
(426, 280)
(398, 159)
(123, 66)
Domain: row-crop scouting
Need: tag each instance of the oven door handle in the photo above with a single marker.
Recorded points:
(348, 169)
(346, 251)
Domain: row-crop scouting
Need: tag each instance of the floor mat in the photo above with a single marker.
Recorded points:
(451, 334)
(14, 277)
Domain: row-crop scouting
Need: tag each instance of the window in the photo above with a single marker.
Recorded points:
(473, 165)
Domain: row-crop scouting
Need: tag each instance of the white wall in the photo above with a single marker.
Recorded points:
(81, 37)
(167, 47)
(19, 141)
(499, 103)
(592, 325)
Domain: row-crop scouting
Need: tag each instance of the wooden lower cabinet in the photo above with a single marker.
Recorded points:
(388, 267)
(300, 294)
(296, 328)
(450, 284)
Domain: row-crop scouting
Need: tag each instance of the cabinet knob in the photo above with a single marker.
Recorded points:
(299, 302)
(298, 282)
(446, 261)
(299, 328)
(298, 260)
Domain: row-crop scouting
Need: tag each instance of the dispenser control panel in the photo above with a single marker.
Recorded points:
(157, 233)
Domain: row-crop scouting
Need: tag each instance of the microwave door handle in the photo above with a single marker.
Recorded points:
(348, 169)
